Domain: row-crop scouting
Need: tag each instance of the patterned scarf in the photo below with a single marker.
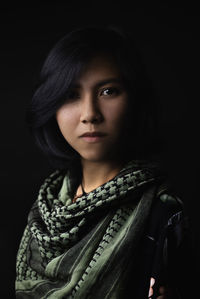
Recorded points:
(83, 249)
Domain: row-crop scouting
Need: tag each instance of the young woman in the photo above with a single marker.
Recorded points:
(105, 223)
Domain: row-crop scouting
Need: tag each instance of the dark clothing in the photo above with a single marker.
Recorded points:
(109, 243)
(166, 253)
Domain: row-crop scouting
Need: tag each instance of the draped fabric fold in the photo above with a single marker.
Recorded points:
(85, 249)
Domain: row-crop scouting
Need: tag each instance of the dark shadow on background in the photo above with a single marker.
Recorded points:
(169, 40)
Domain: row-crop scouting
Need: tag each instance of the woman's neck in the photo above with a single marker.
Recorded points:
(98, 173)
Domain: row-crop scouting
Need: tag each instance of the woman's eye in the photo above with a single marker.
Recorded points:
(109, 91)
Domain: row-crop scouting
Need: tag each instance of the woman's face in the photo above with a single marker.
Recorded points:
(97, 106)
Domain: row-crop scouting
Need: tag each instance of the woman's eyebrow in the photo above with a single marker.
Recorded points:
(107, 81)
(101, 83)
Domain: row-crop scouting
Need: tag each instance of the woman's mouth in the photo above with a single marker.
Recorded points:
(92, 137)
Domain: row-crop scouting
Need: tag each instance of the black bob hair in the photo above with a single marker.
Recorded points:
(63, 66)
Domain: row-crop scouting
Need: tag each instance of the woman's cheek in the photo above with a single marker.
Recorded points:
(67, 121)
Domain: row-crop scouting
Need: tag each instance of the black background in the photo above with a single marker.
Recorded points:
(167, 34)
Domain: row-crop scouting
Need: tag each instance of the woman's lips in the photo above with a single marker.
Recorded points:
(92, 139)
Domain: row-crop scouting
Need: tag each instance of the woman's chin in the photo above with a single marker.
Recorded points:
(99, 157)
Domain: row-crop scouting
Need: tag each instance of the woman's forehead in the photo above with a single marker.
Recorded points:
(100, 70)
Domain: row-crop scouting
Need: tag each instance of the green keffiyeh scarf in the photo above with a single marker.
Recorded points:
(83, 249)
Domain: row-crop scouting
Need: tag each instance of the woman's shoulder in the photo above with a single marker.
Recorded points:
(167, 212)
(167, 202)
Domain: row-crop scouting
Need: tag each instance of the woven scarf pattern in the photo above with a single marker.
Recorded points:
(68, 247)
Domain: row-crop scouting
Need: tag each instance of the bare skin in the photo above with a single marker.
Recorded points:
(98, 102)
(104, 174)
(94, 106)
(162, 290)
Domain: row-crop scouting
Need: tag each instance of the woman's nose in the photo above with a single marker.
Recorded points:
(90, 112)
